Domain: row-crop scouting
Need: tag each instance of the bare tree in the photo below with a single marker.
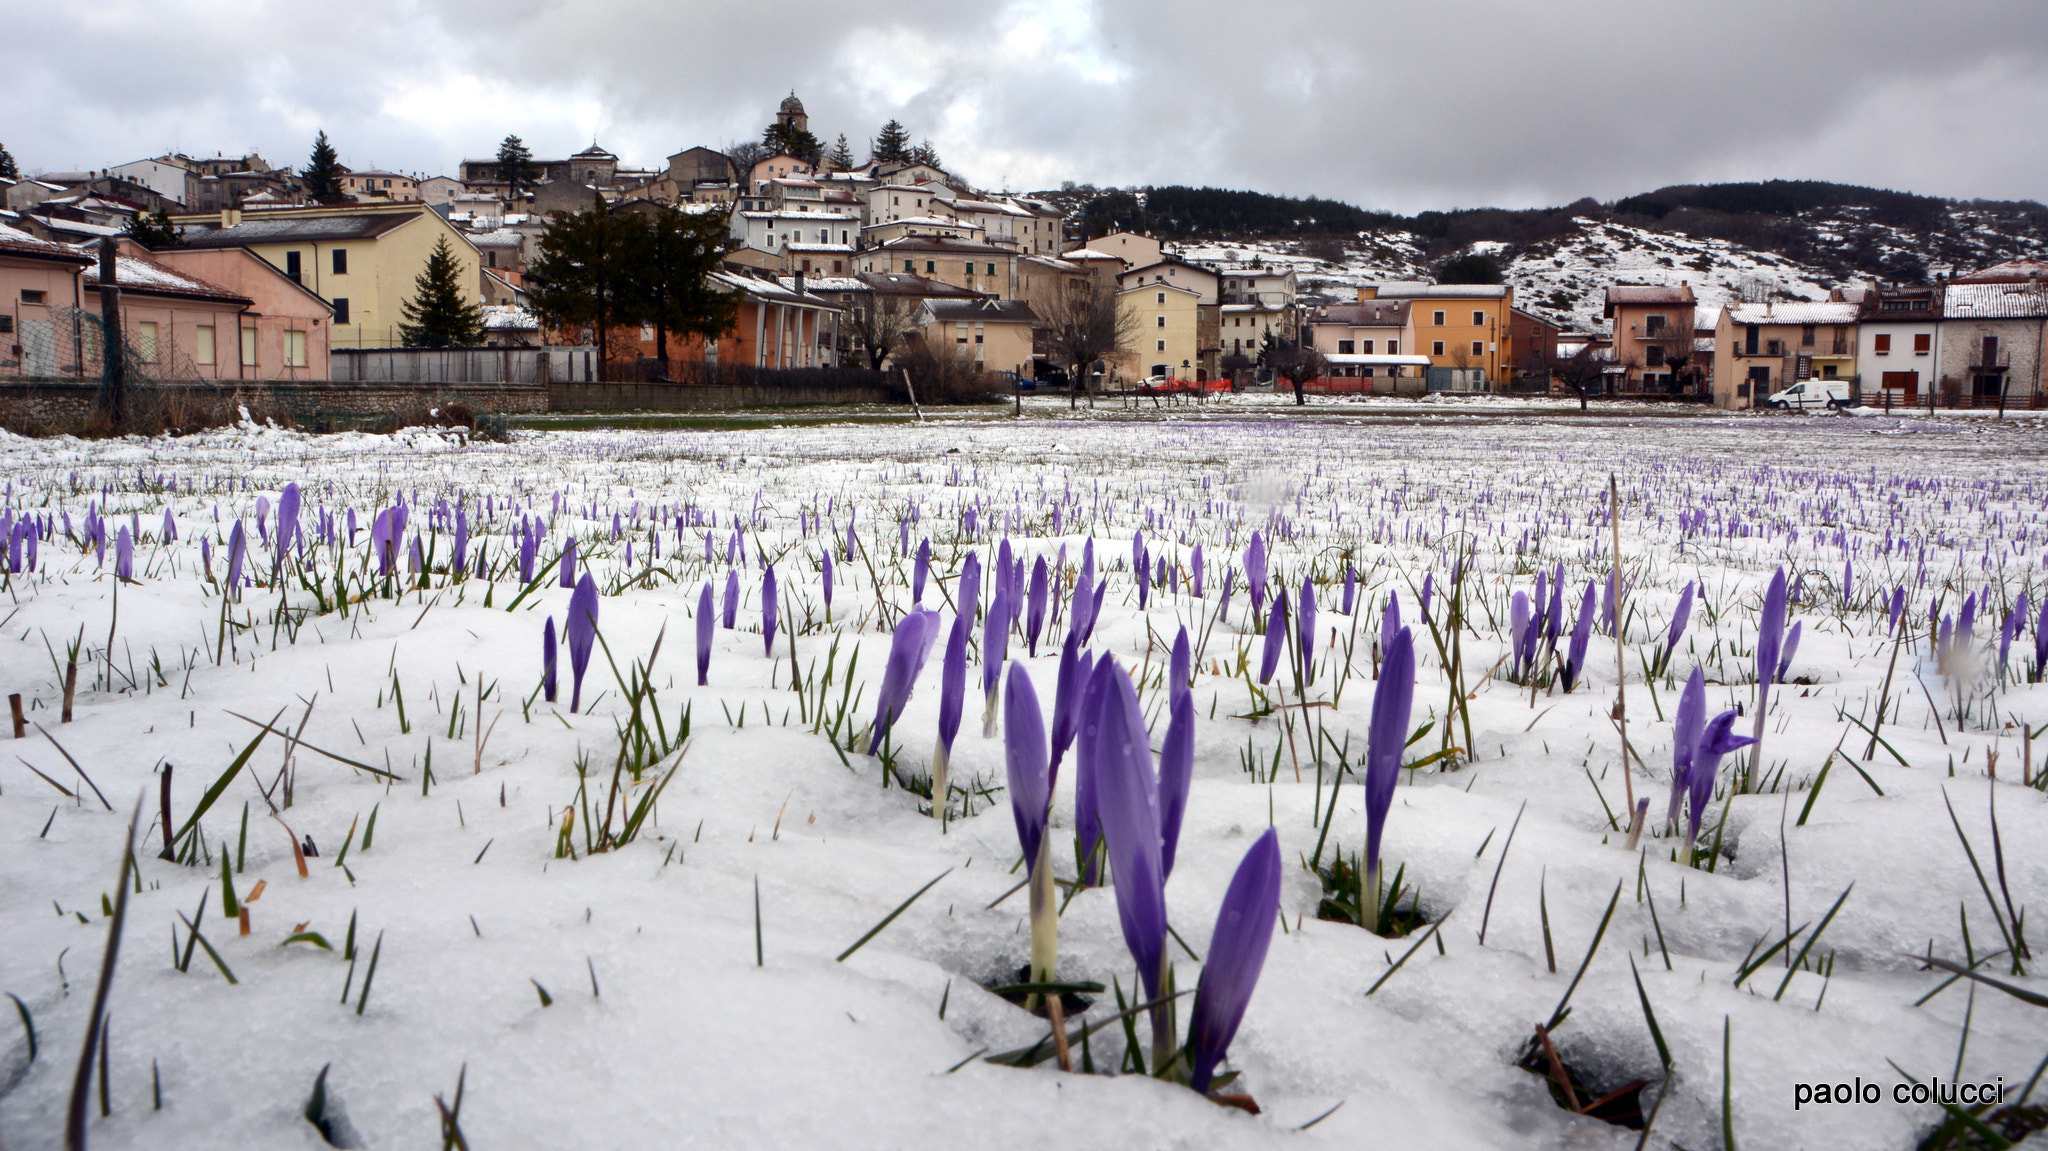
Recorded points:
(1234, 363)
(1297, 363)
(878, 325)
(1086, 326)
(743, 156)
(1578, 370)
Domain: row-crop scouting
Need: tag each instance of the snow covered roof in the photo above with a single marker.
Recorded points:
(1797, 312)
(984, 311)
(297, 229)
(1274, 308)
(1652, 295)
(1366, 313)
(1443, 291)
(926, 222)
(1089, 254)
(1391, 361)
(828, 249)
(2029, 269)
(2012, 301)
(828, 283)
(801, 214)
(499, 238)
(510, 318)
(15, 242)
(147, 277)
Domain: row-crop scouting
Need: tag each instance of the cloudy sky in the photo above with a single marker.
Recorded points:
(1400, 106)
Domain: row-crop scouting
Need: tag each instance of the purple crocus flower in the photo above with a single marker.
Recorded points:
(1679, 619)
(1075, 668)
(1966, 622)
(1237, 954)
(238, 547)
(970, 587)
(1390, 621)
(1521, 635)
(124, 555)
(287, 519)
(825, 570)
(1034, 618)
(909, 646)
(569, 562)
(768, 610)
(1428, 588)
(1024, 752)
(1127, 793)
(1255, 572)
(704, 626)
(1350, 588)
(170, 525)
(1575, 656)
(582, 631)
(1848, 578)
(1791, 646)
(547, 659)
(1686, 725)
(1716, 740)
(528, 544)
(1770, 639)
(1307, 629)
(2041, 640)
(1899, 606)
(995, 649)
(263, 518)
(1276, 638)
(920, 571)
(1176, 776)
(1195, 568)
(1393, 697)
(731, 615)
(952, 690)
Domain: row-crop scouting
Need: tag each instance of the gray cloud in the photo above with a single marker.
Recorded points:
(1403, 106)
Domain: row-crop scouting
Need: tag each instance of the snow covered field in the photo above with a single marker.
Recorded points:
(685, 988)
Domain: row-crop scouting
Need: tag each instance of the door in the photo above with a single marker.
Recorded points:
(1902, 387)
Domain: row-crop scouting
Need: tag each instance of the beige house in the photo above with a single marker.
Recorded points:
(993, 335)
(1464, 329)
(1650, 323)
(1760, 349)
(381, 185)
(1371, 339)
(362, 259)
(1165, 332)
(969, 264)
(1991, 340)
(1134, 250)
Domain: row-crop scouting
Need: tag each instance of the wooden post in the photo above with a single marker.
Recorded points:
(1620, 652)
(113, 370)
(20, 721)
(912, 389)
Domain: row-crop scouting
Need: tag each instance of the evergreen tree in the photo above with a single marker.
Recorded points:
(892, 146)
(583, 271)
(669, 281)
(925, 154)
(322, 173)
(155, 232)
(839, 160)
(8, 170)
(438, 315)
(516, 166)
(791, 140)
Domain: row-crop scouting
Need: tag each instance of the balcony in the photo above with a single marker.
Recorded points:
(1662, 333)
(1990, 360)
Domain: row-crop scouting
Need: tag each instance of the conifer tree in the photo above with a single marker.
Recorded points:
(841, 157)
(790, 140)
(8, 170)
(322, 173)
(438, 315)
(892, 146)
(925, 154)
(516, 166)
(154, 231)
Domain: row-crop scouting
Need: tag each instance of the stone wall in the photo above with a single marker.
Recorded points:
(675, 397)
(59, 405)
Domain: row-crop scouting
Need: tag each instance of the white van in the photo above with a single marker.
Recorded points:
(1809, 394)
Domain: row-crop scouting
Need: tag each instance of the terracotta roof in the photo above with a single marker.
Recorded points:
(1651, 295)
(1366, 313)
(15, 242)
(2007, 272)
(142, 277)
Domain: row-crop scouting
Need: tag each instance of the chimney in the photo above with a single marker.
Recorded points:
(799, 283)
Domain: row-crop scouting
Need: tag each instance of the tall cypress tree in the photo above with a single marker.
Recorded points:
(892, 146)
(438, 315)
(8, 170)
(582, 272)
(322, 173)
(670, 279)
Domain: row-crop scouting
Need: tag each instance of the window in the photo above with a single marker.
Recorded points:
(960, 333)
(341, 310)
(291, 266)
(1437, 348)
(387, 183)
(1162, 299)
(1162, 347)
(1653, 356)
(32, 295)
(977, 333)
(910, 265)
(1478, 347)
(646, 333)
(248, 347)
(1749, 339)
(1653, 324)
(1806, 335)
(970, 269)
(1161, 323)
(490, 259)
(295, 349)
(202, 344)
(931, 265)
(1883, 344)
(835, 267)
(1479, 319)
(1344, 347)
(1393, 347)
(1923, 344)
(1367, 347)
(341, 254)
(145, 341)
(991, 269)
(1437, 318)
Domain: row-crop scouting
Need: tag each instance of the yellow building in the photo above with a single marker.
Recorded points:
(1761, 349)
(361, 258)
(1462, 328)
(1165, 333)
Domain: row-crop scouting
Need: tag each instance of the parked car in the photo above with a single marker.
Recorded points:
(1808, 394)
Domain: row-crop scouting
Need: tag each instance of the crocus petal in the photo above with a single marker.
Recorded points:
(582, 630)
(1176, 776)
(704, 626)
(1686, 724)
(1024, 757)
(1393, 698)
(1237, 954)
(1126, 791)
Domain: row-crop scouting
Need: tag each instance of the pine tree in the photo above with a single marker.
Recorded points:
(582, 273)
(669, 281)
(322, 173)
(892, 146)
(841, 157)
(790, 140)
(155, 232)
(925, 154)
(438, 315)
(516, 166)
(8, 170)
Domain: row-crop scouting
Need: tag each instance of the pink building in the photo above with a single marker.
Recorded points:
(38, 279)
(286, 329)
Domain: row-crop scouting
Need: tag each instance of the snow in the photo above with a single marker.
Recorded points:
(664, 1031)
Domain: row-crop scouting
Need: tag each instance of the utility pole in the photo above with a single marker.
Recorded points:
(113, 370)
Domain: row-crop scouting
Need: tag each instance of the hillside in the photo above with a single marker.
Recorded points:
(1788, 239)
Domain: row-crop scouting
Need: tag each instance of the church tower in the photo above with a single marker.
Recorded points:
(792, 114)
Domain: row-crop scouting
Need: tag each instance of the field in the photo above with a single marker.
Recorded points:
(695, 894)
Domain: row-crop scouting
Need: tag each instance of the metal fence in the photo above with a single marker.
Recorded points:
(562, 365)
